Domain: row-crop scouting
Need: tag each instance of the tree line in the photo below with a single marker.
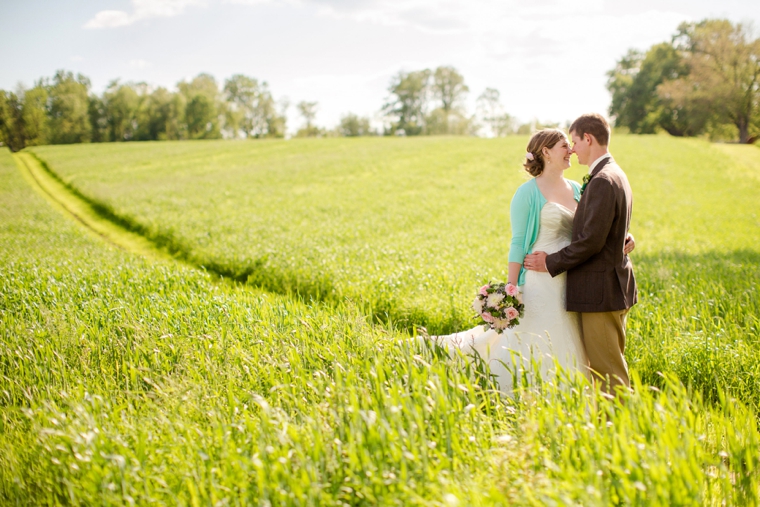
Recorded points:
(705, 81)
(64, 110)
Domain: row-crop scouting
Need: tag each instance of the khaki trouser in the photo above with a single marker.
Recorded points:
(604, 339)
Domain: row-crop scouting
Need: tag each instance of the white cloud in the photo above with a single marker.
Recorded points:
(109, 19)
(247, 2)
(141, 9)
(138, 64)
(77, 59)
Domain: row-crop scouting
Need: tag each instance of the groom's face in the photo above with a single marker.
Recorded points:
(581, 147)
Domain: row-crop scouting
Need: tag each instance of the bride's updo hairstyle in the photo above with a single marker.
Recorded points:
(534, 158)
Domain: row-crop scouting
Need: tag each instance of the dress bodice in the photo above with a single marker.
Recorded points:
(556, 228)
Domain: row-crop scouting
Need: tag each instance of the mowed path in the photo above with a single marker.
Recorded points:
(88, 213)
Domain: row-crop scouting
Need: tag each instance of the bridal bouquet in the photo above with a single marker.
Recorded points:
(498, 305)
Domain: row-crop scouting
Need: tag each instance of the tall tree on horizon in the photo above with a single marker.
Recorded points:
(491, 112)
(706, 80)
(121, 102)
(204, 110)
(34, 114)
(251, 108)
(449, 89)
(408, 101)
(11, 121)
(308, 111)
(724, 71)
(69, 109)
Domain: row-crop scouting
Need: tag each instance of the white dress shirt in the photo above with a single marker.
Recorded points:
(592, 165)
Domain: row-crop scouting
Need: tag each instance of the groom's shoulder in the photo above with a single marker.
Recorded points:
(614, 174)
(611, 169)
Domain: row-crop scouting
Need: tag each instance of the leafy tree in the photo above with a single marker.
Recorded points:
(276, 121)
(352, 125)
(449, 90)
(706, 80)
(308, 110)
(724, 73)
(153, 113)
(11, 121)
(34, 115)
(636, 103)
(407, 104)
(200, 113)
(204, 111)
(96, 110)
(176, 119)
(242, 95)
(448, 87)
(69, 109)
(122, 103)
(251, 109)
(491, 112)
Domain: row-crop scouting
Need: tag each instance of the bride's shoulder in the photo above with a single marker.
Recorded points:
(573, 183)
(527, 190)
(528, 186)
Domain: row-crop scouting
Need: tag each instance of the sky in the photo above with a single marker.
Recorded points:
(547, 58)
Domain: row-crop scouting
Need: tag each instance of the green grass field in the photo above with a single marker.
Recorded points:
(130, 379)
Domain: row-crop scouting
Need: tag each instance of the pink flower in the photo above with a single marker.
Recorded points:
(529, 156)
(512, 313)
(512, 290)
(484, 290)
(487, 317)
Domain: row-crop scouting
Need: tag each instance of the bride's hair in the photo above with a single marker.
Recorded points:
(534, 159)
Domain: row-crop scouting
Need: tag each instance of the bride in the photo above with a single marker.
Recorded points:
(542, 213)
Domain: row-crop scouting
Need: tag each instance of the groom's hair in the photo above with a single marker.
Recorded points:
(593, 124)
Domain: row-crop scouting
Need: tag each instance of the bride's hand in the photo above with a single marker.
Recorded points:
(629, 245)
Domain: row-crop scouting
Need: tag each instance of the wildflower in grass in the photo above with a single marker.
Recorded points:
(499, 305)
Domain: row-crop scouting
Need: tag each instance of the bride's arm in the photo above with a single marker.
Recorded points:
(518, 215)
(514, 273)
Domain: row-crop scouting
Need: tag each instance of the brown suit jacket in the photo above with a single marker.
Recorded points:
(599, 275)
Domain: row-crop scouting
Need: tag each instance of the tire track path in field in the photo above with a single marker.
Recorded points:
(91, 215)
(118, 230)
(128, 234)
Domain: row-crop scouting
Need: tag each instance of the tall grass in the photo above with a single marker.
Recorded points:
(406, 228)
(124, 380)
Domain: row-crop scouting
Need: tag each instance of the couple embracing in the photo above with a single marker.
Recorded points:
(569, 256)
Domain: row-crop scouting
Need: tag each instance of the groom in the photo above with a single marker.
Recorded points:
(600, 282)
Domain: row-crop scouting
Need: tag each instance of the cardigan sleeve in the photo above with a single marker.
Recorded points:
(519, 212)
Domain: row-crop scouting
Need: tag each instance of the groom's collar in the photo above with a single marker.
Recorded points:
(596, 162)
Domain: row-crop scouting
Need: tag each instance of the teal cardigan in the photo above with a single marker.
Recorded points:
(525, 215)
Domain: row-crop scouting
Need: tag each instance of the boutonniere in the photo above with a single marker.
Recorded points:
(586, 179)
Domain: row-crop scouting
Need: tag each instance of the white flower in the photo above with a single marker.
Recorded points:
(477, 305)
(494, 299)
(500, 324)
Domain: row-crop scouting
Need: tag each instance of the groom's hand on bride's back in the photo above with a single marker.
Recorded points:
(535, 261)
(629, 245)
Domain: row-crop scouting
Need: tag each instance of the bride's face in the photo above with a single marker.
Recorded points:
(558, 156)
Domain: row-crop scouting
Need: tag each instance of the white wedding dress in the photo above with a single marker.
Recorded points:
(547, 334)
